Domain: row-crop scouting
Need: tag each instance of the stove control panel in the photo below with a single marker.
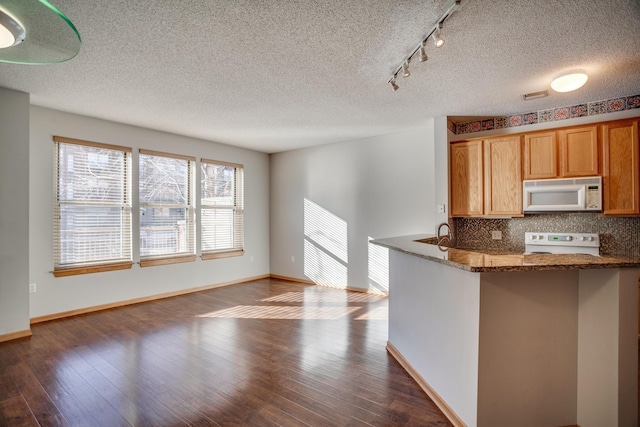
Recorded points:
(562, 243)
(562, 239)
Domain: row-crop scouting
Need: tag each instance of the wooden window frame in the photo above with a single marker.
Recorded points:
(92, 266)
(238, 213)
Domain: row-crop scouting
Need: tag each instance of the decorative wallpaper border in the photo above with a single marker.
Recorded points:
(551, 115)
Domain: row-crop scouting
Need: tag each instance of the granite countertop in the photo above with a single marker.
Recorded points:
(479, 261)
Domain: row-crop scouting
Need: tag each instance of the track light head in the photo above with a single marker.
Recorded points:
(437, 38)
(423, 54)
(393, 84)
(405, 69)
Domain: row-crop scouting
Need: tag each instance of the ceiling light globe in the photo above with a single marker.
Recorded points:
(570, 81)
(6, 37)
(11, 31)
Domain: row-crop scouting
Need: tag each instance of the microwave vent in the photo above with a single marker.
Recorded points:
(570, 181)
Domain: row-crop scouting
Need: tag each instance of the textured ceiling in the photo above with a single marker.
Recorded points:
(274, 75)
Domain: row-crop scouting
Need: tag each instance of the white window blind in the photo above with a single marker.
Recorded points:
(92, 213)
(167, 211)
(221, 207)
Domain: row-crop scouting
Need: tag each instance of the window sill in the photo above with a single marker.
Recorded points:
(72, 271)
(166, 261)
(226, 254)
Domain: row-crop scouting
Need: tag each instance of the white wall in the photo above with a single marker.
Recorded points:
(56, 295)
(434, 323)
(380, 186)
(441, 168)
(14, 206)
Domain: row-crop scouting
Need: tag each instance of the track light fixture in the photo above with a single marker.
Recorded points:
(423, 54)
(437, 38)
(405, 69)
(393, 83)
(420, 51)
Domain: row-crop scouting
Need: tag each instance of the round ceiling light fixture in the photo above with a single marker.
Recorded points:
(11, 30)
(36, 32)
(569, 81)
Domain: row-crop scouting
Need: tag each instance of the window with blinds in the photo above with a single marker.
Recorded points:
(221, 209)
(92, 213)
(167, 211)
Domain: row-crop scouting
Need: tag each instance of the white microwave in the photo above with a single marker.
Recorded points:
(562, 195)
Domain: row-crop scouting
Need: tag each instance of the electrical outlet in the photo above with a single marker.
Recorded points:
(32, 288)
(496, 235)
(442, 209)
(293, 259)
(251, 259)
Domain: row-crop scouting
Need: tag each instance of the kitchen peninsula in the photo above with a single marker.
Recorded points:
(509, 339)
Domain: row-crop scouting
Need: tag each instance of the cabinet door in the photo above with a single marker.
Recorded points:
(466, 178)
(502, 176)
(620, 168)
(540, 156)
(579, 151)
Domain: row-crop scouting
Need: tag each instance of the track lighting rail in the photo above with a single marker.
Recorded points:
(454, 5)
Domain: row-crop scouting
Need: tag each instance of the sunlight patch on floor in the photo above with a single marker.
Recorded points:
(380, 313)
(272, 312)
(336, 297)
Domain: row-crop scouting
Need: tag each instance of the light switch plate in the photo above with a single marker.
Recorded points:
(496, 235)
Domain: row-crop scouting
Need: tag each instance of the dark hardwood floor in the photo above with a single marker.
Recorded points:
(265, 353)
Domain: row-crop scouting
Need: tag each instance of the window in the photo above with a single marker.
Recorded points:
(92, 213)
(167, 213)
(221, 209)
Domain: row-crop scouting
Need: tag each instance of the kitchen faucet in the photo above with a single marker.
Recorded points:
(444, 238)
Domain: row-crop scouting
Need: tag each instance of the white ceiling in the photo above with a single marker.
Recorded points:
(275, 75)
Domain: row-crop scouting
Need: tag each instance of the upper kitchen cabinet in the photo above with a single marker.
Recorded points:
(579, 151)
(486, 177)
(466, 179)
(540, 155)
(502, 177)
(620, 171)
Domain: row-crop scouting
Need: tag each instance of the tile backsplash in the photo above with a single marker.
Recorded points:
(619, 236)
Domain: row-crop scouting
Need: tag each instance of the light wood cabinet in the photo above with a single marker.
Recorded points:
(621, 168)
(565, 153)
(579, 151)
(486, 174)
(540, 157)
(502, 177)
(486, 177)
(466, 179)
